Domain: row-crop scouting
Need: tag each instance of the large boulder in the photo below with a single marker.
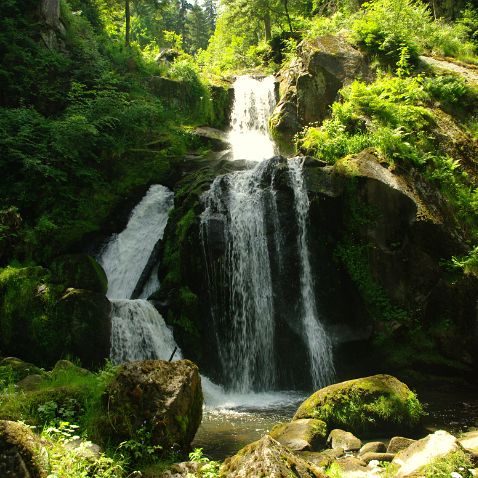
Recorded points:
(21, 452)
(16, 369)
(156, 398)
(309, 85)
(80, 271)
(366, 406)
(42, 321)
(421, 453)
(301, 435)
(267, 457)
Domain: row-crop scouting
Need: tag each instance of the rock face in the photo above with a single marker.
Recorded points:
(267, 457)
(163, 399)
(342, 439)
(367, 406)
(311, 83)
(20, 452)
(422, 452)
(301, 435)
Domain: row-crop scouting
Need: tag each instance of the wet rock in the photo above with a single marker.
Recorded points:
(469, 441)
(212, 138)
(301, 435)
(373, 447)
(422, 452)
(398, 444)
(368, 406)
(164, 399)
(370, 456)
(322, 459)
(267, 457)
(21, 452)
(342, 439)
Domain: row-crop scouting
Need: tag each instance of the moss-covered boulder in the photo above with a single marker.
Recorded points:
(155, 399)
(267, 457)
(301, 435)
(21, 452)
(41, 321)
(83, 319)
(366, 406)
(14, 369)
(80, 271)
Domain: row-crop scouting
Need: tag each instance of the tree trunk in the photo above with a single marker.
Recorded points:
(127, 14)
(286, 9)
(267, 26)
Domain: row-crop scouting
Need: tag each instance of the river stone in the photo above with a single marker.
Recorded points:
(162, 398)
(368, 406)
(301, 435)
(352, 467)
(267, 457)
(84, 449)
(322, 459)
(185, 469)
(469, 441)
(398, 444)
(373, 447)
(21, 452)
(369, 456)
(422, 452)
(342, 439)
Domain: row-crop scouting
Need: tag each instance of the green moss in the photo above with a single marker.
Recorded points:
(366, 406)
(444, 467)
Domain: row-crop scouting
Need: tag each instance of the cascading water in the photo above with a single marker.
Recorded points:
(138, 330)
(254, 102)
(242, 290)
(247, 355)
(318, 343)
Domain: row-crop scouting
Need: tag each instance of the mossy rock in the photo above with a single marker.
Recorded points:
(366, 406)
(155, 399)
(80, 271)
(301, 435)
(21, 452)
(18, 369)
(83, 317)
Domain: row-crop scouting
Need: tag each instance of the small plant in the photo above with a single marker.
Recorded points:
(208, 468)
(139, 449)
(455, 465)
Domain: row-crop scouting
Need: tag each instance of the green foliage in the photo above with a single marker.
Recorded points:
(208, 468)
(444, 467)
(139, 448)
(468, 263)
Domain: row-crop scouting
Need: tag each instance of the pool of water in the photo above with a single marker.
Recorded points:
(231, 421)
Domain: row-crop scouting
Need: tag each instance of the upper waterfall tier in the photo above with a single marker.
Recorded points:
(254, 102)
(127, 254)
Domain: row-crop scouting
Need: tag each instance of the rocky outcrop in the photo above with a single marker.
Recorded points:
(162, 400)
(422, 452)
(301, 435)
(267, 457)
(309, 85)
(21, 452)
(367, 406)
(53, 31)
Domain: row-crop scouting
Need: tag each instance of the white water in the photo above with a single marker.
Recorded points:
(254, 102)
(318, 343)
(247, 357)
(139, 333)
(126, 255)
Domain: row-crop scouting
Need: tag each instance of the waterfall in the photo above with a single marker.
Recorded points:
(318, 343)
(242, 239)
(127, 254)
(247, 354)
(254, 102)
(138, 330)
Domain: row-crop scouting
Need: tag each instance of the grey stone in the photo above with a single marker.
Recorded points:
(342, 439)
(398, 444)
(373, 447)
